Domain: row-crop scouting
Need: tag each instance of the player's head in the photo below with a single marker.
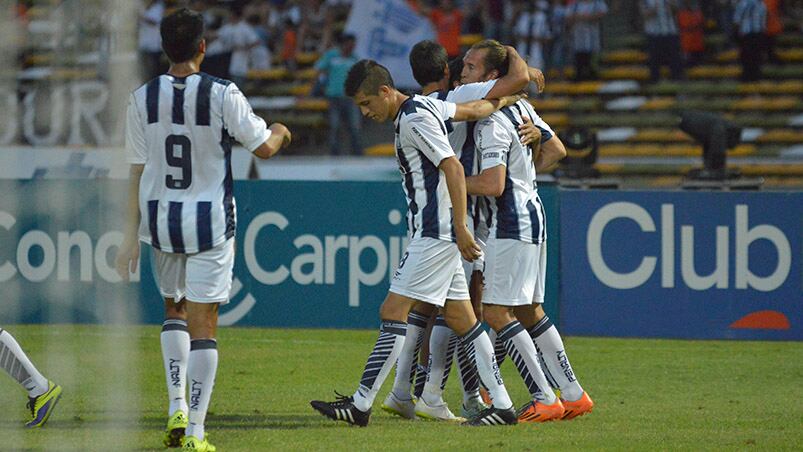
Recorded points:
(183, 35)
(485, 60)
(429, 62)
(455, 72)
(371, 87)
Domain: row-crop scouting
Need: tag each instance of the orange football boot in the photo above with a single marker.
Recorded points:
(539, 412)
(577, 408)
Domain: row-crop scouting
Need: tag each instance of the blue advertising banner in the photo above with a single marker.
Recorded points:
(682, 264)
(309, 254)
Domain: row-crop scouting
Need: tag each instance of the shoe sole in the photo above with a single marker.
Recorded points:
(49, 411)
(396, 412)
(569, 415)
(430, 417)
(174, 437)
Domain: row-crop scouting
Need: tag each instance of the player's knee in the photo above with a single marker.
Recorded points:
(496, 316)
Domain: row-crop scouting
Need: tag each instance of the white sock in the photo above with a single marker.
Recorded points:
(201, 377)
(438, 351)
(522, 352)
(408, 357)
(175, 353)
(380, 362)
(19, 367)
(499, 347)
(550, 346)
(479, 346)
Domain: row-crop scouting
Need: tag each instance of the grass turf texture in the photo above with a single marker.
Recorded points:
(649, 394)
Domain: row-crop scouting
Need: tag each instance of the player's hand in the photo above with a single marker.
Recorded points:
(127, 259)
(528, 133)
(466, 244)
(540, 81)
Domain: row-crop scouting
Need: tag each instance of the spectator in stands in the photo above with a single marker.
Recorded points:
(691, 24)
(532, 32)
(335, 64)
(289, 48)
(315, 29)
(774, 28)
(448, 22)
(150, 43)
(663, 41)
(259, 58)
(557, 47)
(240, 38)
(584, 18)
(494, 19)
(724, 18)
(750, 20)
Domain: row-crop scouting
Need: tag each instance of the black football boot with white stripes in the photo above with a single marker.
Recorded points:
(343, 409)
(494, 416)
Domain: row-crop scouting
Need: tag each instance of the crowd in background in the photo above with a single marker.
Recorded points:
(551, 34)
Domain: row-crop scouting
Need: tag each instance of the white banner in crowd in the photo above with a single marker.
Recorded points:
(386, 30)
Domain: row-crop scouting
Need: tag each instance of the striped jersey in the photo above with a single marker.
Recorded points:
(461, 137)
(421, 144)
(659, 17)
(586, 33)
(182, 130)
(517, 213)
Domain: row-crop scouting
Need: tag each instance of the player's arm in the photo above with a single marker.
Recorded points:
(249, 129)
(516, 78)
(549, 155)
(455, 182)
(127, 259)
(479, 109)
(490, 182)
(280, 137)
(537, 76)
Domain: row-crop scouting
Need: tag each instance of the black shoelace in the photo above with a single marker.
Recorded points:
(341, 401)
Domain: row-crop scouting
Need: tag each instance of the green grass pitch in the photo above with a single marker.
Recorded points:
(649, 395)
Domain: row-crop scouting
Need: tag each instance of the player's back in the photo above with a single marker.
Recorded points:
(186, 186)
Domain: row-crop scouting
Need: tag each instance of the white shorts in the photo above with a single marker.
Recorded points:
(431, 271)
(203, 277)
(512, 272)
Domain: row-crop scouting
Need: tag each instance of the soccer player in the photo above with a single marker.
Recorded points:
(430, 65)
(43, 394)
(180, 130)
(430, 269)
(481, 65)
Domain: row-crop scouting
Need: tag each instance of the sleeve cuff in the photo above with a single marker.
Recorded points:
(259, 140)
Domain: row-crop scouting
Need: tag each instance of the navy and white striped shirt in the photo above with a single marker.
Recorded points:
(750, 16)
(421, 144)
(659, 17)
(182, 130)
(585, 32)
(518, 212)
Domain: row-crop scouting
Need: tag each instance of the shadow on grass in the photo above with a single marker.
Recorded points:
(255, 421)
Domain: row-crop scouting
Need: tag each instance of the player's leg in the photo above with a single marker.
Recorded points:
(431, 404)
(422, 368)
(507, 287)
(208, 285)
(400, 401)
(175, 341)
(550, 347)
(42, 393)
(356, 410)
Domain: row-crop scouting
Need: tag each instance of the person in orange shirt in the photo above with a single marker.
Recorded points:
(774, 28)
(448, 22)
(691, 23)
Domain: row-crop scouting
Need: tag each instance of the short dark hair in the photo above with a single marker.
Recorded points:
(367, 76)
(495, 57)
(427, 59)
(455, 70)
(182, 32)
